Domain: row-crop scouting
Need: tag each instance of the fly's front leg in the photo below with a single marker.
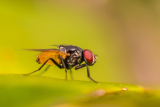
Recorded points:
(88, 74)
(80, 66)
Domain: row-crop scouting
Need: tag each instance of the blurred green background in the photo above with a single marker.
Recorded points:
(123, 34)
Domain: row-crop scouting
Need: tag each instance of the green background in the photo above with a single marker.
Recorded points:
(123, 34)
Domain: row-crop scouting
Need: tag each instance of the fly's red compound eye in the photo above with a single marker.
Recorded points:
(88, 57)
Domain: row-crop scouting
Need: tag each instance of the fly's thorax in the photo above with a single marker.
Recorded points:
(69, 48)
(74, 59)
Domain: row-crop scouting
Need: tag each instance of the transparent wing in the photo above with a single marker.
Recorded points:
(42, 50)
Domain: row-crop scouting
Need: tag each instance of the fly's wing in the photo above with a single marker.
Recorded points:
(42, 50)
(51, 51)
(56, 45)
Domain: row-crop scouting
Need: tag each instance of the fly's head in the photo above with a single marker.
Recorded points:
(89, 57)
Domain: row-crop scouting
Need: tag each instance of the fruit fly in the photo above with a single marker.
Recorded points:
(67, 57)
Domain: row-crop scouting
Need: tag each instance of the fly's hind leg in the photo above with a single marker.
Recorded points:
(45, 70)
(58, 65)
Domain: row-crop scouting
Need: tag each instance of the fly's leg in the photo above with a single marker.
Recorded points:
(64, 66)
(45, 70)
(58, 65)
(88, 74)
(71, 74)
(80, 66)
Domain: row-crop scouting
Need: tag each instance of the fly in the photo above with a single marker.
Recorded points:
(66, 57)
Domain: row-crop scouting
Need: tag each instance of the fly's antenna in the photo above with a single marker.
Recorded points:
(95, 56)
